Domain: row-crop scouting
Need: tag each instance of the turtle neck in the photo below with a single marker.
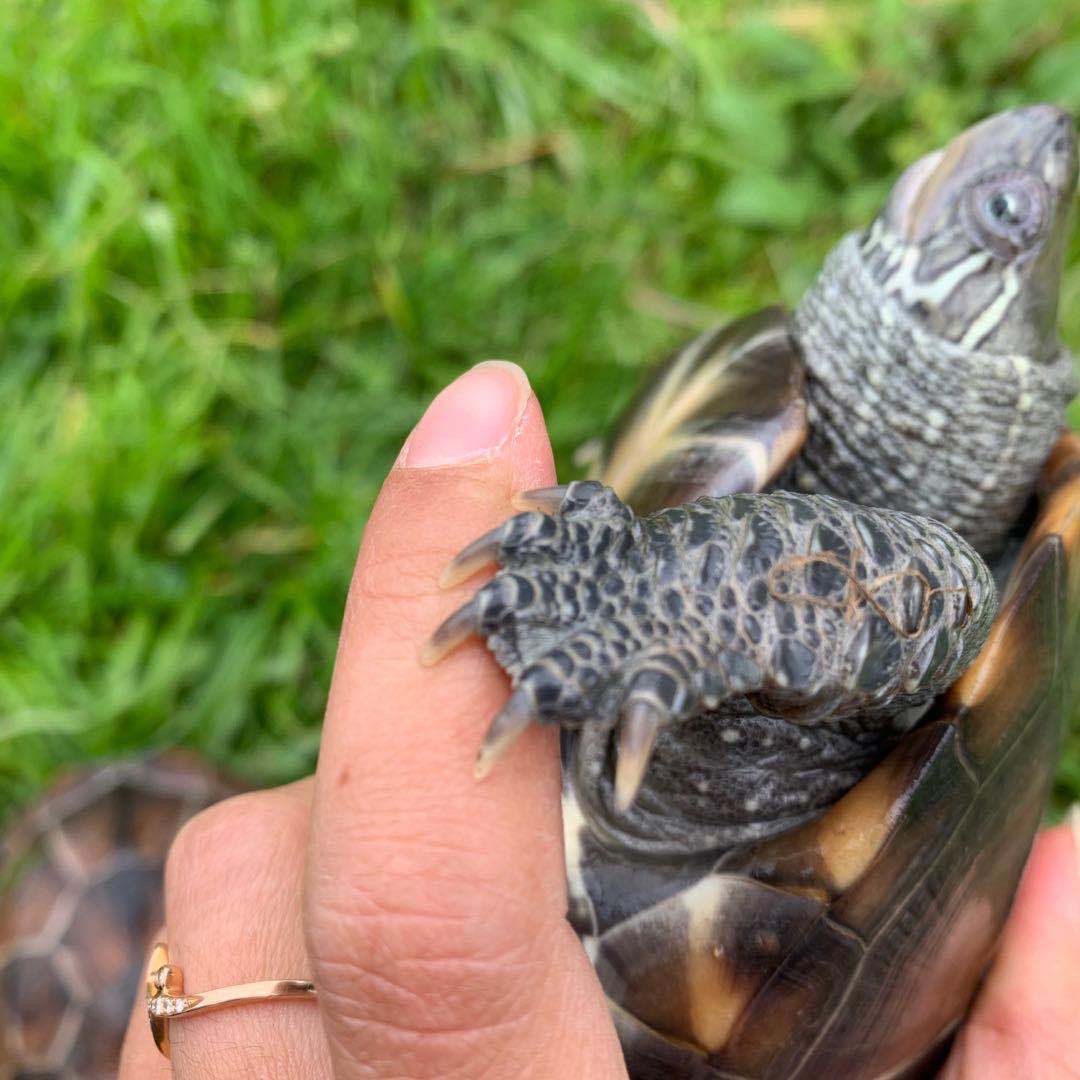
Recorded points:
(903, 419)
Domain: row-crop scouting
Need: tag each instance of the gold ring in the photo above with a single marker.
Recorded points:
(166, 1000)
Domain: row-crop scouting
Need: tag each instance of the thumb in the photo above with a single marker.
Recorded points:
(435, 904)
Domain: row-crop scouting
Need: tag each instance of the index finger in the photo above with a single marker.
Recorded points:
(435, 904)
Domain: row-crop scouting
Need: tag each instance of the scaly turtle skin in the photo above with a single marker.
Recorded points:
(805, 747)
(82, 899)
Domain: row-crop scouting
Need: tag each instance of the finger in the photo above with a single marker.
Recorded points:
(1024, 1021)
(435, 904)
(140, 1058)
(232, 907)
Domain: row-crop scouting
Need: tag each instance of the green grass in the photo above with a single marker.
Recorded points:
(242, 244)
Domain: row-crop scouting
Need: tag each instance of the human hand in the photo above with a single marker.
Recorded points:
(428, 908)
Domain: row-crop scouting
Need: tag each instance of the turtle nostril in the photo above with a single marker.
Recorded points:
(1065, 140)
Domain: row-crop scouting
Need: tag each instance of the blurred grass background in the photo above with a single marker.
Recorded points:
(242, 244)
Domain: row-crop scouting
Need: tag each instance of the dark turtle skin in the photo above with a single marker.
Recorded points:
(806, 741)
(739, 610)
(82, 878)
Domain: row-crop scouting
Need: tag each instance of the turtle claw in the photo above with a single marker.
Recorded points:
(459, 627)
(543, 500)
(477, 556)
(641, 723)
(514, 717)
(490, 548)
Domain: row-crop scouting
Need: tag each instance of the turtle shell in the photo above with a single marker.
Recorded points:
(82, 899)
(724, 414)
(853, 944)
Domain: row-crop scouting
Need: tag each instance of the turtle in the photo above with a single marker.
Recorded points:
(808, 633)
(83, 872)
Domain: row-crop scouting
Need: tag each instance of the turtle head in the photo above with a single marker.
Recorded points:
(972, 238)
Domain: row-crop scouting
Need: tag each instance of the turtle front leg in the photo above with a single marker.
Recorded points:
(808, 607)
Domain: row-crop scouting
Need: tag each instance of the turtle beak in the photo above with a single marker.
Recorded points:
(1039, 138)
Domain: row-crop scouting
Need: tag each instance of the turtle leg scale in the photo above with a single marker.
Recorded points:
(805, 606)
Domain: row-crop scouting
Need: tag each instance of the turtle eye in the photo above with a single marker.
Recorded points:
(1006, 208)
(1007, 212)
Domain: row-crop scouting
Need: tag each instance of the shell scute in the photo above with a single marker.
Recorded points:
(82, 897)
(688, 966)
(38, 999)
(724, 414)
(1003, 691)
